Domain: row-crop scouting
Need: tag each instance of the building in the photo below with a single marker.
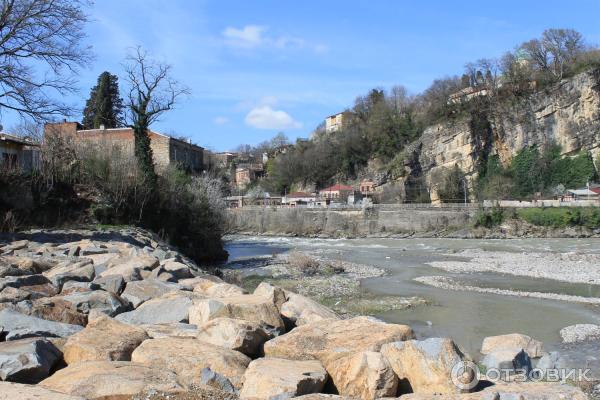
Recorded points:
(243, 201)
(336, 192)
(583, 194)
(336, 122)
(243, 176)
(166, 150)
(367, 187)
(18, 153)
(299, 198)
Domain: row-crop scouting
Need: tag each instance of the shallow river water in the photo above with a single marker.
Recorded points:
(466, 317)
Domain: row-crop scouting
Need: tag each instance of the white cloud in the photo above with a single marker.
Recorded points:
(265, 117)
(249, 36)
(220, 120)
(254, 36)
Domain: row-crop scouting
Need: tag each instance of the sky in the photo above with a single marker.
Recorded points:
(256, 68)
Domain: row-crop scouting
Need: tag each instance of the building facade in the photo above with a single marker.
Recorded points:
(336, 122)
(336, 192)
(166, 150)
(18, 153)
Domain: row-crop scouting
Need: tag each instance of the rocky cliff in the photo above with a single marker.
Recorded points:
(567, 113)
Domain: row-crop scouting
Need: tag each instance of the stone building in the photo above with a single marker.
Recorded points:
(336, 122)
(166, 150)
(18, 153)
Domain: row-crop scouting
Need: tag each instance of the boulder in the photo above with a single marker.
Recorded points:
(276, 294)
(104, 339)
(130, 267)
(364, 375)
(18, 326)
(301, 310)
(176, 269)
(236, 334)
(191, 283)
(493, 343)
(208, 377)
(99, 300)
(59, 310)
(512, 391)
(110, 283)
(219, 290)
(80, 271)
(322, 396)
(426, 365)
(268, 378)
(169, 308)
(248, 307)
(13, 391)
(21, 281)
(13, 295)
(27, 360)
(580, 333)
(71, 287)
(177, 329)
(110, 379)
(318, 339)
(507, 359)
(187, 357)
(140, 291)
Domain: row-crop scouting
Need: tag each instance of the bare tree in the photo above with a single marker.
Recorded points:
(28, 130)
(537, 51)
(153, 91)
(46, 35)
(564, 45)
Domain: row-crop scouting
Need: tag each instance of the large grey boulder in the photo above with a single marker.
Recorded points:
(20, 281)
(235, 334)
(169, 308)
(27, 360)
(508, 360)
(17, 326)
(110, 283)
(99, 300)
(130, 268)
(138, 292)
(81, 271)
(532, 347)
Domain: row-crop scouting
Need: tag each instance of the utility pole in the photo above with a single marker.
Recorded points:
(465, 189)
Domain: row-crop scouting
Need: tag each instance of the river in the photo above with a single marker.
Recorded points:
(465, 316)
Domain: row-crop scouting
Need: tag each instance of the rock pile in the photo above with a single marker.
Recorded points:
(120, 315)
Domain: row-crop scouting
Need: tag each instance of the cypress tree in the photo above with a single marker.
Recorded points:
(105, 105)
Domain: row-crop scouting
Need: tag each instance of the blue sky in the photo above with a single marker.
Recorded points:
(258, 67)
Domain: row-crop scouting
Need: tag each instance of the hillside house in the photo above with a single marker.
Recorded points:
(336, 122)
(367, 187)
(299, 198)
(166, 150)
(18, 153)
(336, 192)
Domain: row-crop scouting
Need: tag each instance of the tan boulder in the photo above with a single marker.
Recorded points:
(365, 375)
(191, 283)
(425, 364)
(248, 307)
(188, 357)
(219, 290)
(18, 391)
(236, 334)
(110, 379)
(130, 267)
(104, 339)
(178, 329)
(268, 378)
(322, 396)
(531, 346)
(59, 310)
(319, 339)
(301, 310)
(276, 294)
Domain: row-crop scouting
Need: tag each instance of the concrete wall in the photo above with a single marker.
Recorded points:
(376, 221)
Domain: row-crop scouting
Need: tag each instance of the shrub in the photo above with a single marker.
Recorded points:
(489, 219)
(588, 217)
(303, 263)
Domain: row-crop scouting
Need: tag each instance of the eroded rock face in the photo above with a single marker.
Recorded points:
(425, 364)
(95, 379)
(27, 360)
(13, 391)
(268, 378)
(235, 334)
(364, 375)
(104, 339)
(533, 347)
(247, 307)
(319, 339)
(18, 326)
(188, 357)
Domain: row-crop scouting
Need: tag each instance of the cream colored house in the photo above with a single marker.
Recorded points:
(336, 122)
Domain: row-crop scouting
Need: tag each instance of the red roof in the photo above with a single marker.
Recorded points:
(338, 188)
(595, 190)
(300, 194)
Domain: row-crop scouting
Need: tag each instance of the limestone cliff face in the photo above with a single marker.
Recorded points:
(567, 113)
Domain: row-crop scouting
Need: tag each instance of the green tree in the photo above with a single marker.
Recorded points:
(526, 171)
(105, 105)
(452, 187)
